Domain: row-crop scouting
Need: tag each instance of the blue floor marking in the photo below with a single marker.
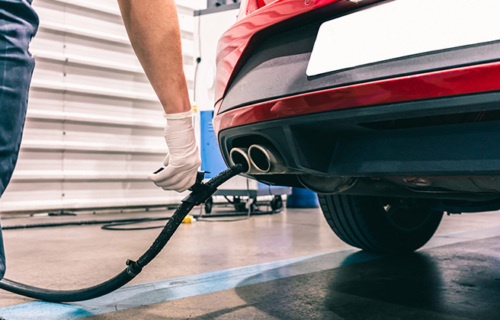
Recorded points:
(43, 310)
(177, 288)
(143, 294)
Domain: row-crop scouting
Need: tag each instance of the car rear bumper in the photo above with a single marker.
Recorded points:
(444, 136)
(273, 82)
(277, 69)
(477, 78)
(450, 136)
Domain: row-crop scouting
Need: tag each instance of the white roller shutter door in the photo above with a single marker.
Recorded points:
(94, 128)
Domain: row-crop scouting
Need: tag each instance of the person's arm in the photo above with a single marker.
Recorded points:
(153, 29)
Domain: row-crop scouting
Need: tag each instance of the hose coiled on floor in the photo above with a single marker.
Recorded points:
(200, 193)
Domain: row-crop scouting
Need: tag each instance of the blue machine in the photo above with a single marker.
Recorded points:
(211, 158)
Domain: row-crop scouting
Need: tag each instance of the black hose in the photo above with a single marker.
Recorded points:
(200, 193)
(117, 226)
(83, 223)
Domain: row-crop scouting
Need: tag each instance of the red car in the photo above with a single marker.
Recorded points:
(389, 110)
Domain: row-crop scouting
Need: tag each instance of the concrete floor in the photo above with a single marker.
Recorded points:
(290, 266)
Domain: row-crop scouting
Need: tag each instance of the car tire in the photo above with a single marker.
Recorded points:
(372, 224)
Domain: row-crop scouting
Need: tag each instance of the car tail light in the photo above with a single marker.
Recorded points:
(249, 6)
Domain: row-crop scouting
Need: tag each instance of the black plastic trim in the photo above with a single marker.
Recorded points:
(340, 143)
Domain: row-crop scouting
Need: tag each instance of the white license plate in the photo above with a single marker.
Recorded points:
(402, 28)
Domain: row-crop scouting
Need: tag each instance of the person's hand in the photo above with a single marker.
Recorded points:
(182, 160)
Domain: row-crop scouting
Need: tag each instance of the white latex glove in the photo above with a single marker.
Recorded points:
(182, 160)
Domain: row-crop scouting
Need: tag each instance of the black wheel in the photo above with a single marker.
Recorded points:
(276, 203)
(378, 224)
(239, 206)
(208, 205)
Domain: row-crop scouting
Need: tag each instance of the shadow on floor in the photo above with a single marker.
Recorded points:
(459, 281)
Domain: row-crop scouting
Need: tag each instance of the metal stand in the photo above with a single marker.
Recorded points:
(245, 193)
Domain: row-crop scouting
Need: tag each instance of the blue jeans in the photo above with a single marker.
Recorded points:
(18, 24)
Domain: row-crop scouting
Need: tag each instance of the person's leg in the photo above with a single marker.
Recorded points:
(18, 24)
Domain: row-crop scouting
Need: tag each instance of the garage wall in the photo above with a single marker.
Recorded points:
(94, 127)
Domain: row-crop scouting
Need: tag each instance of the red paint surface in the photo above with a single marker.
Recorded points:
(237, 40)
(459, 81)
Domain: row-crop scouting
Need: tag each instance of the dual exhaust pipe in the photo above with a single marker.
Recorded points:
(258, 159)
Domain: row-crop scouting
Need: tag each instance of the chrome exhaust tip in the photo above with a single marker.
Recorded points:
(260, 158)
(266, 160)
(240, 156)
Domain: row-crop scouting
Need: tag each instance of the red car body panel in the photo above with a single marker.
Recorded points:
(234, 43)
(472, 79)
(239, 38)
